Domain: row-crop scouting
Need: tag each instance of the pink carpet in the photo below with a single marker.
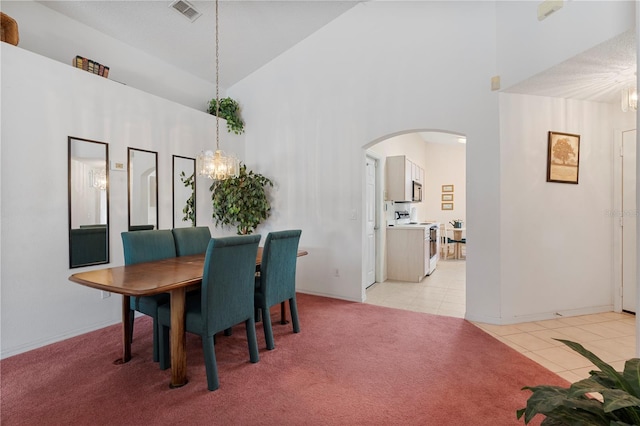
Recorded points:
(352, 364)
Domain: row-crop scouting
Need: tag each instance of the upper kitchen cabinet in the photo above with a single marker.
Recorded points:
(399, 178)
(417, 174)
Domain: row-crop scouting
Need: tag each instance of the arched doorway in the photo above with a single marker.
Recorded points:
(441, 158)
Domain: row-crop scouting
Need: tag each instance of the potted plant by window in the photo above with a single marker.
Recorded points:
(241, 201)
(230, 111)
(607, 397)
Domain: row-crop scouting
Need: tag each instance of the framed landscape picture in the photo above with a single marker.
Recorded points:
(447, 188)
(447, 197)
(563, 157)
(447, 206)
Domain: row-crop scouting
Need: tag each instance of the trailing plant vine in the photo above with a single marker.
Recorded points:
(241, 201)
(230, 111)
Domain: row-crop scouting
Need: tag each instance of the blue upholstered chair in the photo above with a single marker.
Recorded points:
(226, 299)
(276, 282)
(146, 246)
(194, 240)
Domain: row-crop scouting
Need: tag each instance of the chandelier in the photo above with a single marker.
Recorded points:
(217, 165)
(629, 99)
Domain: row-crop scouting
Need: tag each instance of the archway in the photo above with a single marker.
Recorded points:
(441, 156)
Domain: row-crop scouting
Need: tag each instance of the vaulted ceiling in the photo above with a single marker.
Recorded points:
(252, 33)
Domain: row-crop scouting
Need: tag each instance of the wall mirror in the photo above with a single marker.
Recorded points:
(88, 202)
(142, 184)
(184, 192)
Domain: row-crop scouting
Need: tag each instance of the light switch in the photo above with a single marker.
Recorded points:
(118, 165)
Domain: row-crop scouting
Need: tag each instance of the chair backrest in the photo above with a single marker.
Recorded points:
(278, 267)
(228, 281)
(145, 246)
(193, 240)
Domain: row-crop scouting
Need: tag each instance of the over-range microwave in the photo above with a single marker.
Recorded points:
(416, 193)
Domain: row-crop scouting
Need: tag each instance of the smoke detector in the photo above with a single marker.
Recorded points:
(186, 9)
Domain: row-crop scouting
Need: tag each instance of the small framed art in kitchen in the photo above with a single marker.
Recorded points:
(447, 206)
(563, 158)
(447, 197)
(447, 188)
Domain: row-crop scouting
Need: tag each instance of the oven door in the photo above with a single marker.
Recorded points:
(416, 195)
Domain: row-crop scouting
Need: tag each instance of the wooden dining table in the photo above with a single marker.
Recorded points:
(175, 276)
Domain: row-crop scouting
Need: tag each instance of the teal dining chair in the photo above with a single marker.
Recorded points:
(146, 246)
(193, 240)
(225, 299)
(276, 282)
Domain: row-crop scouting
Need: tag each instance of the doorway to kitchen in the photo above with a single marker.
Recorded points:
(438, 161)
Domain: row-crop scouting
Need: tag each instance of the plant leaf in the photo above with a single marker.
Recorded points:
(631, 374)
(603, 366)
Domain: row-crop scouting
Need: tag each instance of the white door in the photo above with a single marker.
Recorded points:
(629, 207)
(370, 221)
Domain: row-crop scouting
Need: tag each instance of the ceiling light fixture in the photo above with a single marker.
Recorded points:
(217, 165)
(629, 99)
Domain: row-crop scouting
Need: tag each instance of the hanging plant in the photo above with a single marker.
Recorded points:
(241, 201)
(230, 111)
(189, 208)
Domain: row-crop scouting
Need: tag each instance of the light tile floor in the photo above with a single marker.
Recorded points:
(611, 336)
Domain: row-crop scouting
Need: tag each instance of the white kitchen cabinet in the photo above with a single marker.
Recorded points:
(407, 253)
(417, 173)
(399, 177)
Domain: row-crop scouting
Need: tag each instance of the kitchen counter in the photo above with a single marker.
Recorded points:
(412, 250)
(413, 225)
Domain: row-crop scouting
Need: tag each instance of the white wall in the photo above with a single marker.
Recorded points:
(128, 65)
(379, 69)
(559, 235)
(43, 102)
(527, 46)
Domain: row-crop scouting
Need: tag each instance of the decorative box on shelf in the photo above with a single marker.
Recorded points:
(91, 66)
(9, 29)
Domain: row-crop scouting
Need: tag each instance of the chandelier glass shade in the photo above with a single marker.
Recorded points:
(217, 165)
(629, 99)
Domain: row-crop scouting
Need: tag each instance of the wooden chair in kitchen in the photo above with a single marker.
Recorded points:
(444, 242)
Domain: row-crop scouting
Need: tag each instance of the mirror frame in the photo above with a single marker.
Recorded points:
(70, 141)
(129, 182)
(173, 184)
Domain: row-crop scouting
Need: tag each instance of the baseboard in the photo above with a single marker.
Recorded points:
(333, 296)
(542, 316)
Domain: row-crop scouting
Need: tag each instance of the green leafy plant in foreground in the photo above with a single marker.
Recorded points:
(241, 201)
(618, 402)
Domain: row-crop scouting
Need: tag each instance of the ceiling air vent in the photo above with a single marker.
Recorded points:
(186, 9)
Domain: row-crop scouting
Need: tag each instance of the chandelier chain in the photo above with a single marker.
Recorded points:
(217, 82)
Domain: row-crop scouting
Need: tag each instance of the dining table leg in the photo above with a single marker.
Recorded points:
(126, 331)
(178, 339)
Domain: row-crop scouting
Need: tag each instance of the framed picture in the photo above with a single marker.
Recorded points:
(447, 206)
(447, 188)
(563, 157)
(447, 197)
